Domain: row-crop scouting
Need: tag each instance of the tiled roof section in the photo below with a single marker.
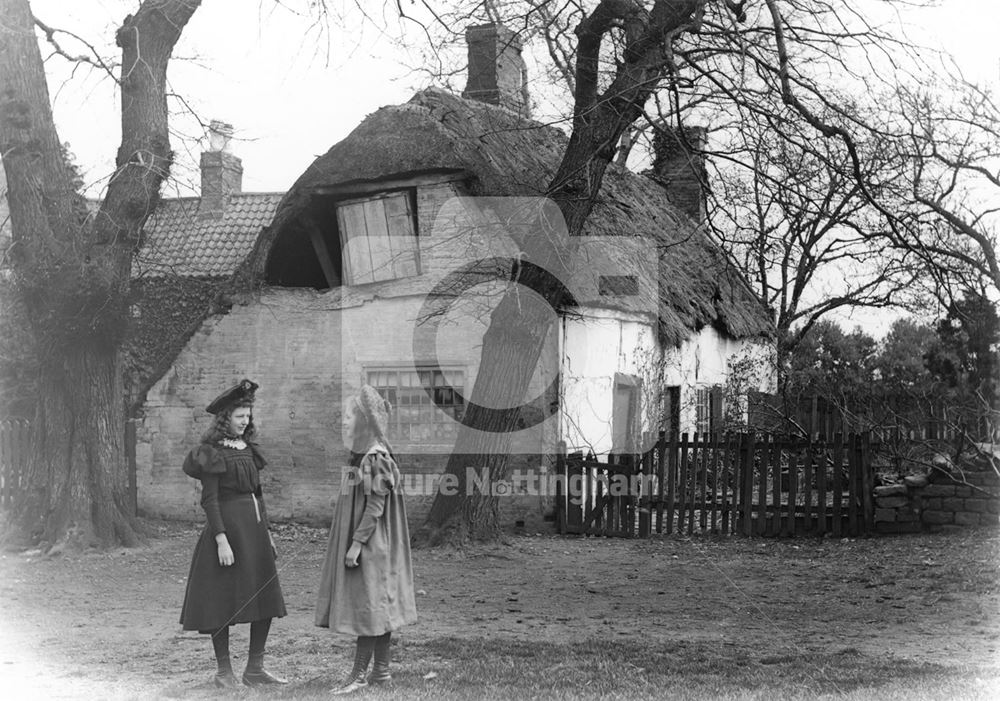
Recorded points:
(177, 241)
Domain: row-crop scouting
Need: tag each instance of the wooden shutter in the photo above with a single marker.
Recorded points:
(402, 235)
(379, 237)
(354, 243)
(716, 408)
(378, 240)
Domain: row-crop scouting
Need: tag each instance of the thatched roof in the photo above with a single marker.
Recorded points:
(503, 154)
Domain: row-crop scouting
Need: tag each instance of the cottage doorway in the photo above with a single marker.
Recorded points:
(624, 414)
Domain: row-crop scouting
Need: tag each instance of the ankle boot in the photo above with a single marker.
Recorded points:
(224, 677)
(354, 682)
(380, 673)
(359, 673)
(380, 667)
(256, 675)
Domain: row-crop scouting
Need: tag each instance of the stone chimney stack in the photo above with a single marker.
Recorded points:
(221, 171)
(497, 74)
(680, 167)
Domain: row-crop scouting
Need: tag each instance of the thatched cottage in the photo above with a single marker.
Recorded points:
(335, 274)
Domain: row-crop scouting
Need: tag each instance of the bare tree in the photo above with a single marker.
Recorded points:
(72, 269)
(951, 142)
(798, 225)
(777, 60)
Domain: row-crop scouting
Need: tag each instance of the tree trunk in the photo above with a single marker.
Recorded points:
(514, 341)
(74, 275)
(512, 346)
(76, 488)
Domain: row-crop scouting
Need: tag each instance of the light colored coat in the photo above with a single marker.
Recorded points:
(377, 596)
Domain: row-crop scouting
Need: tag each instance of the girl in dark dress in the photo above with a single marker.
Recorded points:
(233, 575)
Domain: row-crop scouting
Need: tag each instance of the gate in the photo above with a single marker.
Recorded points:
(593, 500)
(741, 484)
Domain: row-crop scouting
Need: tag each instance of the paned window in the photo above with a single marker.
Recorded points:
(708, 409)
(416, 418)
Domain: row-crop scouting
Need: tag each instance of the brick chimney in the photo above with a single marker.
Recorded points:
(221, 171)
(497, 74)
(680, 167)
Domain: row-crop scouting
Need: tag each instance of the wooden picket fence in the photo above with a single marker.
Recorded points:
(739, 484)
(15, 440)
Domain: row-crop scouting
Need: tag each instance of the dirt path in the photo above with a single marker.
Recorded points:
(104, 625)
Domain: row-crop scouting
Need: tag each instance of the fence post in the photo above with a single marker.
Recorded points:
(671, 481)
(660, 481)
(838, 484)
(645, 461)
(854, 483)
(776, 451)
(706, 441)
(746, 491)
(821, 461)
(562, 479)
(716, 448)
(692, 472)
(130, 438)
(793, 481)
(869, 483)
(808, 481)
(682, 479)
(729, 478)
(765, 451)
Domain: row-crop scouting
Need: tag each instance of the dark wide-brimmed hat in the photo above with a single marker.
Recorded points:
(241, 392)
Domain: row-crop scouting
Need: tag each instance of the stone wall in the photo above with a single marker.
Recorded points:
(938, 501)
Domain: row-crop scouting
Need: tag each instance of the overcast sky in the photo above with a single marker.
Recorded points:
(291, 90)
(291, 94)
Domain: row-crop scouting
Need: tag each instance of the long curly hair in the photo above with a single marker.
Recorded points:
(220, 427)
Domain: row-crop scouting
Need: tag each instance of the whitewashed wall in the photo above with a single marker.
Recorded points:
(707, 358)
(599, 343)
(593, 347)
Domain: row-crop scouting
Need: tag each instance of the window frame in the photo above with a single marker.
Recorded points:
(444, 428)
(708, 408)
(403, 263)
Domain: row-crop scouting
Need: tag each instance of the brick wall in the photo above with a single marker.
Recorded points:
(308, 350)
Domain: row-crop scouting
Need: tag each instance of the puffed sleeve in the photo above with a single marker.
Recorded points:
(379, 472)
(258, 457)
(204, 460)
(380, 476)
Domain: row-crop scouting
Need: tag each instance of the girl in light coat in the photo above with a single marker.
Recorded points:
(366, 586)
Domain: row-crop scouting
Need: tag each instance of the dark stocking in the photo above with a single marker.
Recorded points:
(380, 669)
(220, 641)
(362, 656)
(258, 640)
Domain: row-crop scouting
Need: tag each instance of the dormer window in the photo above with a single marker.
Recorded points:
(349, 240)
(378, 238)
